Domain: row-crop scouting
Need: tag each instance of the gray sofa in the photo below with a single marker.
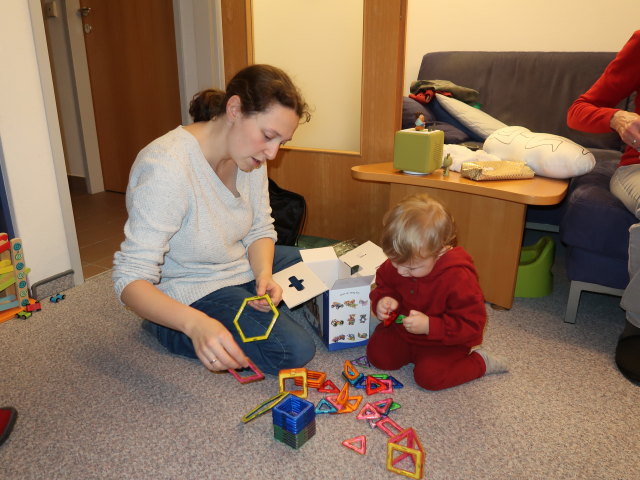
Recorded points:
(535, 90)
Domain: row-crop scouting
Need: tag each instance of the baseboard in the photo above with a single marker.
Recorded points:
(52, 285)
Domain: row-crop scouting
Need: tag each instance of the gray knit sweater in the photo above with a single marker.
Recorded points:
(187, 233)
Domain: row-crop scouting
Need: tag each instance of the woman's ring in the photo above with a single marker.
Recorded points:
(213, 361)
(634, 141)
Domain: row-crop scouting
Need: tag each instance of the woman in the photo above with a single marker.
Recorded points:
(595, 111)
(200, 239)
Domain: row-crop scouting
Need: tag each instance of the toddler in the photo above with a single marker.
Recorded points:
(428, 300)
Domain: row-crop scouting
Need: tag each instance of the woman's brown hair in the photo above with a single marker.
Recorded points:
(258, 86)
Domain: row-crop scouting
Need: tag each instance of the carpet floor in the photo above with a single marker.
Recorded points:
(98, 398)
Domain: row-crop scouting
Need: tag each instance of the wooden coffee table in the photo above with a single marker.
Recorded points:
(489, 215)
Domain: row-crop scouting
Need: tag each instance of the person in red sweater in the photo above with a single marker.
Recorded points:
(595, 112)
(434, 285)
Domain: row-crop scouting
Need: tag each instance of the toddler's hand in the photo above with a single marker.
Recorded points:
(416, 322)
(385, 306)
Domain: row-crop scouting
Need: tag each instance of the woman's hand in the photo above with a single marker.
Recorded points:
(416, 322)
(214, 344)
(385, 306)
(266, 285)
(627, 124)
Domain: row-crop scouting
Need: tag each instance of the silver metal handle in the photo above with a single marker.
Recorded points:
(84, 11)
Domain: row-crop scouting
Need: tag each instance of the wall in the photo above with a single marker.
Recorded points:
(335, 99)
(544, 25)
(31, 152)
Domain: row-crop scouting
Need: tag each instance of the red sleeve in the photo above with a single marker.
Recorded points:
(593, 110)
(383, 288)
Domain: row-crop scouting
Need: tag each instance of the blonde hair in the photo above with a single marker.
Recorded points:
(417, 227)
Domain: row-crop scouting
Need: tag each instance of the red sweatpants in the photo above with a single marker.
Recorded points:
(435, 367)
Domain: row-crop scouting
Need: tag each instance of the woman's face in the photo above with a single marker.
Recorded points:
(256, 138)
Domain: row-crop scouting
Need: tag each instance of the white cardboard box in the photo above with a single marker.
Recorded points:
(339, 288)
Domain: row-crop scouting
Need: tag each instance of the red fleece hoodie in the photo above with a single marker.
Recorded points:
(450, 295)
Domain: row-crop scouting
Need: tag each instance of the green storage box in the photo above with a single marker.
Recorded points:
(418, 151)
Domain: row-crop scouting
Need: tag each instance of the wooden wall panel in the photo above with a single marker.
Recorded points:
(340, 207)
(236, 36)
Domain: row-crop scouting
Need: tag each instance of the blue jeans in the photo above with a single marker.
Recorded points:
(289, 345)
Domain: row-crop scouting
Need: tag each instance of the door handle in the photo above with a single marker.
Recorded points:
(84, 11)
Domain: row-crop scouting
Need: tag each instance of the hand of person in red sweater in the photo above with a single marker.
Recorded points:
(627, 124)
(384, 308)
(416, 322)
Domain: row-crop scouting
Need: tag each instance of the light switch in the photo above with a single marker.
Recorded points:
(51, 9)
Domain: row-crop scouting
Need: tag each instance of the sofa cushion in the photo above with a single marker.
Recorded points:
(532, 89)
(480, 123)
(548, 155)
(410, 111)
(595, 220)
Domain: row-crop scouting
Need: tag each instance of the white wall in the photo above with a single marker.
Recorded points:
(499, 25)
(322, 53)
(31, 148)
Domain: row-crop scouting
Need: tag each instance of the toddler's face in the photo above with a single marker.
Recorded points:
(418, 267)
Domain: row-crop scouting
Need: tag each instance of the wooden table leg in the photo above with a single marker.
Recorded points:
(489, 229)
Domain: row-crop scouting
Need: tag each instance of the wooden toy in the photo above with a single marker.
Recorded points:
(257, 374)
(236, 320)
(14, 288)
(412, 449)
(357, 444)
(264, 407)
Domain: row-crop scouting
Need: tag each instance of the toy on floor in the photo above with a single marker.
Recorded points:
(299, 374)
(57, 298)
(264, 407)
(257, 374)
(8, 417)
(294, 421)
(294, 416)
(411, 449)
(357, 444)
(14, 289)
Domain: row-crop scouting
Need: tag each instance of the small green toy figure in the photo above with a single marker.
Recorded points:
(446, 163)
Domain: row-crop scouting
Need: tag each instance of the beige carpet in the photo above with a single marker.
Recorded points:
(98, 398)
